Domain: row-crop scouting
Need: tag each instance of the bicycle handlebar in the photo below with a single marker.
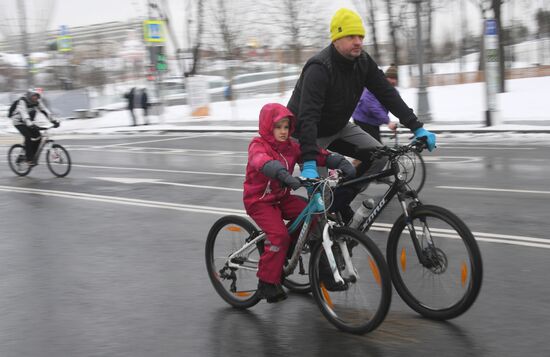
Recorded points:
(314, 182)
(385, 151)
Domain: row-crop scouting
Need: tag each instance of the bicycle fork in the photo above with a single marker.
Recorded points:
(421, 253)
(327, 245)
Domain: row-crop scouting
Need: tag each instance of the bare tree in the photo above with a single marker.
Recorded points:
(300, 22)
(370, 15)
(197, 46)
(429, 9)
(226, 25)
(394, 25)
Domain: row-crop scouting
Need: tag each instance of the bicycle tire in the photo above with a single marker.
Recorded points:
(373, 281)
(58, 155)
(17, 160)
(413, 167)
(240, 228)
(292, 282)
(443, 272)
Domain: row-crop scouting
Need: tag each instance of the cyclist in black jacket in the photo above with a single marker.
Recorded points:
(327, 93)
(23, 112)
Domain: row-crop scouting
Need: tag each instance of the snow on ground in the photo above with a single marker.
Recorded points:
(456, 107)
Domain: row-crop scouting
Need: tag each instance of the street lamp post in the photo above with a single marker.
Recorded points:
(423, 110)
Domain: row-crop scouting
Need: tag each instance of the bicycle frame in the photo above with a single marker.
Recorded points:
(315, 206)
(399, 188)
(44, 140)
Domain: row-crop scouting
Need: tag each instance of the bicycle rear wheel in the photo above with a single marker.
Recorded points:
(362, 303)
(448, 283)
(17, 160)
(236, 285)
(59, 161)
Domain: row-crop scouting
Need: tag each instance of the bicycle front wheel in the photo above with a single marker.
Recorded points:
(237, 284)
(59, 161)
(361, 304)
(298, 281)
(17, 160)
(448, 282)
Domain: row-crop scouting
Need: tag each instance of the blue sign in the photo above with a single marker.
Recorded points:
(490, 27)
(153, 31)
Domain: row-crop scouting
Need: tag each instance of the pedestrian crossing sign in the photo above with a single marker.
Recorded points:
(153, 31)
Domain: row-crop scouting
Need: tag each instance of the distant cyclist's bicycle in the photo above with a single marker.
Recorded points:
(433, 257)
(363, 295)
(57, 157)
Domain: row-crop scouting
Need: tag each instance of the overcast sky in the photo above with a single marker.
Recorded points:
(84, 12)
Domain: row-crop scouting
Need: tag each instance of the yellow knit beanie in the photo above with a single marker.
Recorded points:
(346, 22)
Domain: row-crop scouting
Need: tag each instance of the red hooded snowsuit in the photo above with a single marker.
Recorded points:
(265, 199)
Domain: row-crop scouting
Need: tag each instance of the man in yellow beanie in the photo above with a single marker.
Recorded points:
(327, 93)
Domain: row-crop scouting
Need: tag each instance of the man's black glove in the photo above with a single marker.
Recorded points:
(337, 161)
(55, 124)
(34, 127)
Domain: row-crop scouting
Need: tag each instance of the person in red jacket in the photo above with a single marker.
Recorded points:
(267, 199)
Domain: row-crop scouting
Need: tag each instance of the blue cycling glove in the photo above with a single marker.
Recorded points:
(310, 169)
(430, 137)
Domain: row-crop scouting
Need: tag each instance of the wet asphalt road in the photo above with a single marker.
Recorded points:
(109, 261)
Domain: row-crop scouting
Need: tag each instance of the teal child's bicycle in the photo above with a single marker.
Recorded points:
(362, 298)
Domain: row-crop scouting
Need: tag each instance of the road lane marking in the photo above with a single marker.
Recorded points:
(129, 180)
(152, 141)
(385, 227)
(160, 170)
(153, 170)
(482, 237)
(125, 201)
(491, 189)
(484, 148)
(428, 159)
(164, 151)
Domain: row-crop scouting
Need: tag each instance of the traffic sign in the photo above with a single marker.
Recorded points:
(64, 43)
(153, 31)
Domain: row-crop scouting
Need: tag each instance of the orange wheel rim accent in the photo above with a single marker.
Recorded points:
(233, 229)
(242, 293)
(375, 271)
(326, 295)
(464, 274)
(403, 260)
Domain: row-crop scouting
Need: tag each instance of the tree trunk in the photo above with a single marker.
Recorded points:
(429, 47)
(392, 33)
(372, 24)
(196, 49)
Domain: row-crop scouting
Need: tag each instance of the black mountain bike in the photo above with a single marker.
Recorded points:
(433, 257)
(57, 157)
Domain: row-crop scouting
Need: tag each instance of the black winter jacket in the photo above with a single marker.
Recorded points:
(328, 91)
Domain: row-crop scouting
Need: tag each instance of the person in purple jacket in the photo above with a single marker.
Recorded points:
(370, 114)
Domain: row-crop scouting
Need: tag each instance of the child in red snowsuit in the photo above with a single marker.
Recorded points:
(267, 199)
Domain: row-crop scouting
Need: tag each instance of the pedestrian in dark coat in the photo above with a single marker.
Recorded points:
(130, 97)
